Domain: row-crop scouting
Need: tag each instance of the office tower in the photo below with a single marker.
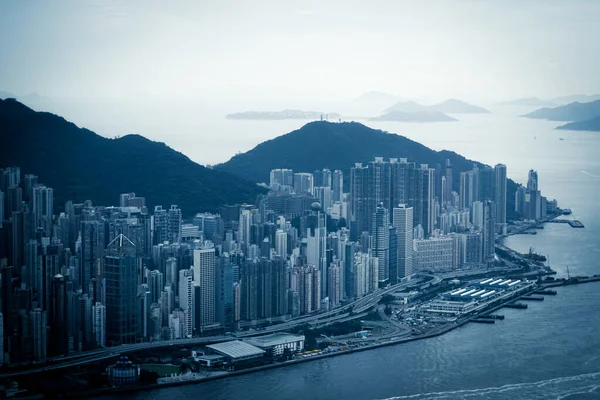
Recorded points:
(281, 243)
(121, 271)
(1, 339)
(59, 335)
(402, 220)
(303, 183)
(171, 274)
(436, 254)
(281, 177)
(380, 243)
(204, 275)
(185, 299)
(532, 180)
(43, 203)
(359, 200)
(424, 209)
(316, 236)
(337, 185)
(37, 325)
(500, 193)
(92, 251)
(160, 225)
(244, 228)
(156, 284)
(477, 215)
(224, 291)
(174, 224)
(489, 231)
(99, 324)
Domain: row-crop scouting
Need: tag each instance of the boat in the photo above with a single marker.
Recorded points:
(561, 138)
(567, 211)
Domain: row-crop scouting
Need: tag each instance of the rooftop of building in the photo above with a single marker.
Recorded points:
(236, 349)
(274, 339)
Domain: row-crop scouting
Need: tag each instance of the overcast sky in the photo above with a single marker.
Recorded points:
(335, 50)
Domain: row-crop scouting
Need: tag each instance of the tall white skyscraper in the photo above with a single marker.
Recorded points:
(99, 324)
(281, 243)
(204, 275)
(402, 220)
(185, 299)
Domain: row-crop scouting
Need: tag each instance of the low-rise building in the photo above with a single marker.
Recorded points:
(277, 343)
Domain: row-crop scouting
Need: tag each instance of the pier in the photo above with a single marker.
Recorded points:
(574, 223)
(495, 316)
(533, 298)
(516, 305)
(546, 291)
(483, 321)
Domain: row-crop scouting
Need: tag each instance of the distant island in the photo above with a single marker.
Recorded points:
(581, 98)
(571, 112)
(450, 106)
(280, 115)
(529, 101)
(588, 125)
(417, 116)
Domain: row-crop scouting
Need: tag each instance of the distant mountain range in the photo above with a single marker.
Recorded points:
(580, 98)
(279, 115)
(323, 144)
(80, 165)
(450, 106)
(529, 101)
(570, 112)
(589, 125)
(416, 116)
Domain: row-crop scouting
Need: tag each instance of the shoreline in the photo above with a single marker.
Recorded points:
(391, 342)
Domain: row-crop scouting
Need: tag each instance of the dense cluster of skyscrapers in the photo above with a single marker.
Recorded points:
(92, 276)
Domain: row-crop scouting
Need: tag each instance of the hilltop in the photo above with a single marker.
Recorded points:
(338, 146)
(80, 165)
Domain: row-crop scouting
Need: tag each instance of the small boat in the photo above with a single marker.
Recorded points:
(560, 138)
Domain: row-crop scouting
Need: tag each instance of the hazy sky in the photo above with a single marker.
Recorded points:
(270, 50)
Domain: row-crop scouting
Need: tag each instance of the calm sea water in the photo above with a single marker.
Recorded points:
(549, 351)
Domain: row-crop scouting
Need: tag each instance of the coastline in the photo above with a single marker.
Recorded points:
(434, 333)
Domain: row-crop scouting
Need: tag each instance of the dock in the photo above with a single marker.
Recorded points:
(533, 298)
(516, 305)
(494, 316)
(483, 321)
(574, 223)
(546, 291)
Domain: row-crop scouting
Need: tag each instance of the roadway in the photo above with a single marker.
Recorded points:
(344, 312)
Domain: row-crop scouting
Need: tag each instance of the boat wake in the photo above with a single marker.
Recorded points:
(590, 174)
(571, 387)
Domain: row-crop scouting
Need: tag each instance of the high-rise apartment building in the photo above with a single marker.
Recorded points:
(380, 243)
(99, 324)
(402, 220)
(337, 186)
(500, 193)
(204, 275)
